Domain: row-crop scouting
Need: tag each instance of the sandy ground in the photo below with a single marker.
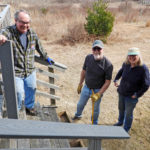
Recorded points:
(124, 36)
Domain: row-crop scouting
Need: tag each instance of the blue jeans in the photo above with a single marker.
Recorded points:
(25, 89)
(85, 95)
(126, 107)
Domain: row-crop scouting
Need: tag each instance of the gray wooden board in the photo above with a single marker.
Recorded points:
(13, 128)
(48, 85)
(39, 143)
(49, 114)
(46, 73)
(56, 65)
(39, 93)
(52, 91)
(4, 143)
(21, 143)
(7, 64)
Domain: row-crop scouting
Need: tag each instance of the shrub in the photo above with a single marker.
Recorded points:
(99, 20)
(44, 10)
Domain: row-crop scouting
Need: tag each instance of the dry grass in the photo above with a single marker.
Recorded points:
(60, 22)
(75, 34)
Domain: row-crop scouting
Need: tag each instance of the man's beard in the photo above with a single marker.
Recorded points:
(97, 57)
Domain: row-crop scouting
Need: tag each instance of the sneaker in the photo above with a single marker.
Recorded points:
(118, 124)
(76, 118)
(31, 111)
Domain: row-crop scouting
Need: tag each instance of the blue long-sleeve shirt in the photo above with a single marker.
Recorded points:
(134, 81)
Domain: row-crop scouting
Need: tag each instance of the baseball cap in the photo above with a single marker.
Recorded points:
(98, 43)
(133, 51)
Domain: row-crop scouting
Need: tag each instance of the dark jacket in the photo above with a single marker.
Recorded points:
(134, 81)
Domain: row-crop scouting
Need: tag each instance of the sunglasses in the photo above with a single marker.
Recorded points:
(97, 48)
(22, 22)
(132, 55)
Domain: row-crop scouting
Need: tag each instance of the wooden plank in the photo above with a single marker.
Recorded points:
(45, 84)
(52, 91)
(46, 73)
(49, 114)
(39, 143)
(94, 144)
(23, 143)
(56, 65)
(39, 93)
(4, 143)
(13, 128)
(20, 143)
(12, 143)
(8, 79)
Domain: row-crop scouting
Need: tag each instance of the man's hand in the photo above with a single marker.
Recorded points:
(79, 88)
(95, 96)
(50, 61)
(3, 39)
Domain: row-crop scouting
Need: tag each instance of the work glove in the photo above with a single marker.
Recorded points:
(95, 96)
(79, 88)
(50, 61)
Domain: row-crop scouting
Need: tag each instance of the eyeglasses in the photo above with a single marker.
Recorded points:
(97, 48)
(132, 55)
(23, 22)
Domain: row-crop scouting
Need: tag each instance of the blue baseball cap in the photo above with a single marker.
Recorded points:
(133, 51)
(98, 43)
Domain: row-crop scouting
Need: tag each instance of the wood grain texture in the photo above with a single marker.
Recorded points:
(12, 128)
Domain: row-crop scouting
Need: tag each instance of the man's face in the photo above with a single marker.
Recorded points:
(98, 53)
(23, 22)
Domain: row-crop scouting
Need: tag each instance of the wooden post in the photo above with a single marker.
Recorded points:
(94, 144)
(52, 91)
(7, 64)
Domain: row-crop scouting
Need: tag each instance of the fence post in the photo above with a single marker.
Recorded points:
(7, 64)
(94, 144)
(52, 91)
(5, 16)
